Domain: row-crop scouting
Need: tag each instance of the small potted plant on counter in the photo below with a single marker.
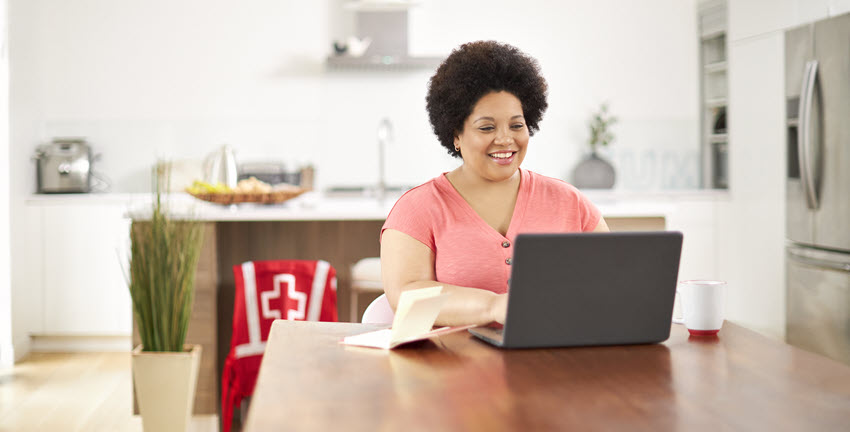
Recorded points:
(164, 259)
(594, 172)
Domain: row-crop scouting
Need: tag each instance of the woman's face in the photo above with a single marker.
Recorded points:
(494, 137)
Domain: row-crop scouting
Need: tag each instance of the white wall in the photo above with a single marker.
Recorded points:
(148, 78)
(6, 346)
(144, 79)
(25, 114)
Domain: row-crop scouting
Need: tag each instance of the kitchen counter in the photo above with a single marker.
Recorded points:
(315, 206)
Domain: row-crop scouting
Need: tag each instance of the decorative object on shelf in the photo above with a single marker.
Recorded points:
(352, 47)
(358, 46)
(594, 172)
(163, 261)
(340, 48)
(719, 117)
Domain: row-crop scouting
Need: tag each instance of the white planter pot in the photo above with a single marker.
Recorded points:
(165, 387)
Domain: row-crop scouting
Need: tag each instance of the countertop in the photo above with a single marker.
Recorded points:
(318, 206)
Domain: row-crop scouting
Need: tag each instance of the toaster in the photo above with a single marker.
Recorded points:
(64, 166)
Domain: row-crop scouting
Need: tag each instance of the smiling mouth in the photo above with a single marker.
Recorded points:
(502, 155)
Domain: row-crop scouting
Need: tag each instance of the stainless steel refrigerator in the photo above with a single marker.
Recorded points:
(817, 91)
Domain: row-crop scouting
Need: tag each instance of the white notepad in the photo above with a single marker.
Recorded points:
(415, 315)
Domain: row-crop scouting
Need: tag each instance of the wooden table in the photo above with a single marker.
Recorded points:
(739, 380)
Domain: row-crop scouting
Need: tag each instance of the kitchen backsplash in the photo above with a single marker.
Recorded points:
(647, 155)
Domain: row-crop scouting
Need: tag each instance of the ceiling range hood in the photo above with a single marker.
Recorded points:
(385, 23)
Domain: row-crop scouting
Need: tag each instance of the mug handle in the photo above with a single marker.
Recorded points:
(682, 319)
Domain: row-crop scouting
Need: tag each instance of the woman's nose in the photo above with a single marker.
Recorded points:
(503, 138)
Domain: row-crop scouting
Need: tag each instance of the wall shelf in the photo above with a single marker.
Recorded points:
(715, 102)
(382, 63)
(715, 67)
(714, 138)
(718, 138)
(380, 5)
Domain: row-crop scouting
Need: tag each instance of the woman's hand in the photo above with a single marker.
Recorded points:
(499, 308)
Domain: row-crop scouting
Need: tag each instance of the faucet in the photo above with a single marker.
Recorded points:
(385, 134)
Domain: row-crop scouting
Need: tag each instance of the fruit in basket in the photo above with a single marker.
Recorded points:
(252, 185)
(250, 190)
(201, 187)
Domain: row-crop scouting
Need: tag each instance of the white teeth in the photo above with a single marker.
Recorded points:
(501, 155)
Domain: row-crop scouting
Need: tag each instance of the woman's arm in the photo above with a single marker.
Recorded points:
(602, 226)
(408, 264)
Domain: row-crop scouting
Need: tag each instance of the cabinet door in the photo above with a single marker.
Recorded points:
(84, 286)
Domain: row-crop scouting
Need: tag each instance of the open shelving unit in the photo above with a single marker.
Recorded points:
(714, 138)
(385, 22)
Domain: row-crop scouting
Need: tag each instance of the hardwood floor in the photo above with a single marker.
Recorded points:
(73, 392)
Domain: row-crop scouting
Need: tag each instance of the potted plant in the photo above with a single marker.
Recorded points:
(163, 261)
(594, 172)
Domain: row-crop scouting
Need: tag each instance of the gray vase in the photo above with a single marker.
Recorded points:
(594, 173)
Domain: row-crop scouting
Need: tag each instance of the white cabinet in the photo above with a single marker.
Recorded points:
(838, 7)
(750, 18)
(695, 217)
(82, 283)
(807, 11)
(751, 226)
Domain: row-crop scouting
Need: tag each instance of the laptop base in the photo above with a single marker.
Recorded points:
(490, 335)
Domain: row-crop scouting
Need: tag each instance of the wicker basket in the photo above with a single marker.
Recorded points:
(273, 197)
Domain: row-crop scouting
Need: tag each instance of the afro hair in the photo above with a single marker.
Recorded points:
(474, 70)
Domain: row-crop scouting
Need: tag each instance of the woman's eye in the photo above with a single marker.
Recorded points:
(486, 128)
(518, 126)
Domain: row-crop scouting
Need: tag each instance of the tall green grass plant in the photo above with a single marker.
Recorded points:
(164, 259)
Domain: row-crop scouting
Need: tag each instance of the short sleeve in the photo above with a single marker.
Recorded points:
(413, 216)
(590, 214)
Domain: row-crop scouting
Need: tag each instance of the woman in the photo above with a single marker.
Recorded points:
(457, 230)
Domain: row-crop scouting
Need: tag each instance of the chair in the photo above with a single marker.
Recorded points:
(379, 312)
(266, 291)
(365, 278)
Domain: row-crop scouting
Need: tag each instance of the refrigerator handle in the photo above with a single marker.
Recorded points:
(821, 262)
(804, 144)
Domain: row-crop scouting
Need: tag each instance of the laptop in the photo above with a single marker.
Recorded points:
(584, 289)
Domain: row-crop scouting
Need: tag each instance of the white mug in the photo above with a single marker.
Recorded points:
(702, 306)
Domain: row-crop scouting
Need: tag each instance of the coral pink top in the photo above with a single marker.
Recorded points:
(470, 253)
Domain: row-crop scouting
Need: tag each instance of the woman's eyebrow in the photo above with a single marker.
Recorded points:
(492, 119)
